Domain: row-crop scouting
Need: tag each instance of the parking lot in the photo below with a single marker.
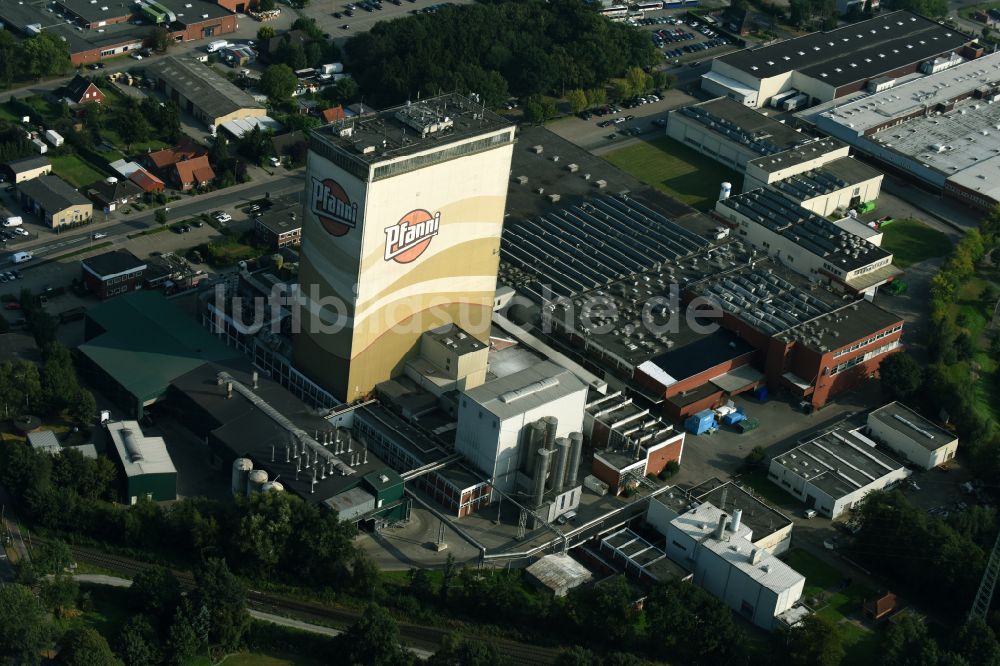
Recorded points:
(681, 38)
(343, 19)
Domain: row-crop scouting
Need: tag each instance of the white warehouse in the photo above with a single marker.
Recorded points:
(918, 440)
(717, 548)
(493, 419)
(834, 471)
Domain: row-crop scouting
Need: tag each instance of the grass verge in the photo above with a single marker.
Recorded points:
(911, 241)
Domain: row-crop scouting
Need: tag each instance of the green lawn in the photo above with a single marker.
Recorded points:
(74, 170)
(970, 312)
(137, 148)
(819, 575)
(912, 241)
(109, 609)
(675, 170)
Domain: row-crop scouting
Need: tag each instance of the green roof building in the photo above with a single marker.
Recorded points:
(136, 344)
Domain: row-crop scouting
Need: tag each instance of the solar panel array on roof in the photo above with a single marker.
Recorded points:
(783, 216)
(811, 184)
(594, 243)
(765, 300)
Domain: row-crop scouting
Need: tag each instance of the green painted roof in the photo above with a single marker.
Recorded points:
(148, 342)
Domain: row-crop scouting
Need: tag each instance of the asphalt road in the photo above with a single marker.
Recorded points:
(178, 210)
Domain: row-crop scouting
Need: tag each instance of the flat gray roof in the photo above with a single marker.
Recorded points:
(831, 177)
(93, 12)
(921, 430)
(760, 517)
(455, 339)
(838, 463)
(798, 154)
(52, 193)
(532, 387)
(855, 52)
(411, 128)
(138, 453)
(782, 215)
(741, 124)
(28, 163)
(212, 93)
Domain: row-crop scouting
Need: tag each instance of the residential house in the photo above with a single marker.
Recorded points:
(113, 192)
(82, 90)
(188, 174)
(333, 114)
(146, 181)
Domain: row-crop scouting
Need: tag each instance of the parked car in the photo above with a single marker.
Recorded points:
(809, 513)
(222, 217)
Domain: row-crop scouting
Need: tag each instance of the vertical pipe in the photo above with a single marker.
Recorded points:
(558, 477)
(544, 457)
(575, 452)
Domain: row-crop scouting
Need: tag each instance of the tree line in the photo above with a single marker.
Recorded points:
(32, 58)
(495, 49)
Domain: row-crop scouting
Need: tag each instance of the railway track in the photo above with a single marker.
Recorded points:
(414, 635)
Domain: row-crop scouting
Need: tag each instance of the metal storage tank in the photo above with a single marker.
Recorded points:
(272, 486)
(255, 481)
(562, 460)
(551, 425)
(724, 191)
(575, 452)
(544, 457)
(533, 440)
(241, 470)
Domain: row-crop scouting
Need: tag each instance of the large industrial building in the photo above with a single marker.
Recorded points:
(95, 30)
(940, 129)
(401, 235)
(816, 172)
(500, 421)
(808, 243)
(200, 91)
(719, 549)
(833, 471)
(916, 439)
(823, 66)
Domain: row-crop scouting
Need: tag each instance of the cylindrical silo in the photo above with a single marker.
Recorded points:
(551, 424)
(533, 440)
(272, 486)
(562, 460)
(544, 458)
(256, 479)
(575, 451)
(724, 191)
(241, 470)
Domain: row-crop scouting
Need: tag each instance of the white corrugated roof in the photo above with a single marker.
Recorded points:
(139, 454)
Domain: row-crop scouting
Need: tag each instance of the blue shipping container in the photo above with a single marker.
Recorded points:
(761, 393)
(733, 418)
(701, 422)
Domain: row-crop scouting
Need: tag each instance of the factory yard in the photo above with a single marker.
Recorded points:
(676, 170)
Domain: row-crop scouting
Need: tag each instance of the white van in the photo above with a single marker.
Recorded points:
(216, 45)
(15, 221)
(21, 257)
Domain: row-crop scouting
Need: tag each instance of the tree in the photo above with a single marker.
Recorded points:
(447, 576)
(278, 82)
(597, 97)
(83, 410)
(20, 386)
(23, 630)
(907, 643)
(901, 376)
(374, 640)
(59, 383)
(756, 456)
(257, 145)
(138, 644)
(51, 557)
(638, 80)
(155, 591)
(131, 124)
(160, 216)
(265, 5)
(59, 593)
(224, 596)
(184, 640)
(421, 586)
(159, 39)
(83, 646)
(265, 32)
(43, 55)
(813, 642)
(458, 652)
(621, 90)
(577, 100)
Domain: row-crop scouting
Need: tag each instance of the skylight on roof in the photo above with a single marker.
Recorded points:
(770, 62)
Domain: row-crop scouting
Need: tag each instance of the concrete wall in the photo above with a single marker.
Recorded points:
(34, 173)
(825, 204)
(707, 142)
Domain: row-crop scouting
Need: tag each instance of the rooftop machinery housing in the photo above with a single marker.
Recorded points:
(828, 65)
(943, 129)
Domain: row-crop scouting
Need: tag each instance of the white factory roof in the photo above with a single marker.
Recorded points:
(769, 571)
(900, 100)
(528, 389)
(559, 572)
(727, 82)
(241, 126)
(701, 522)
(139, 454)
(907, 422)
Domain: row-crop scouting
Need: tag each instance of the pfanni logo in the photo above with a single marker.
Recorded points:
(332, 206)
(409, 238)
